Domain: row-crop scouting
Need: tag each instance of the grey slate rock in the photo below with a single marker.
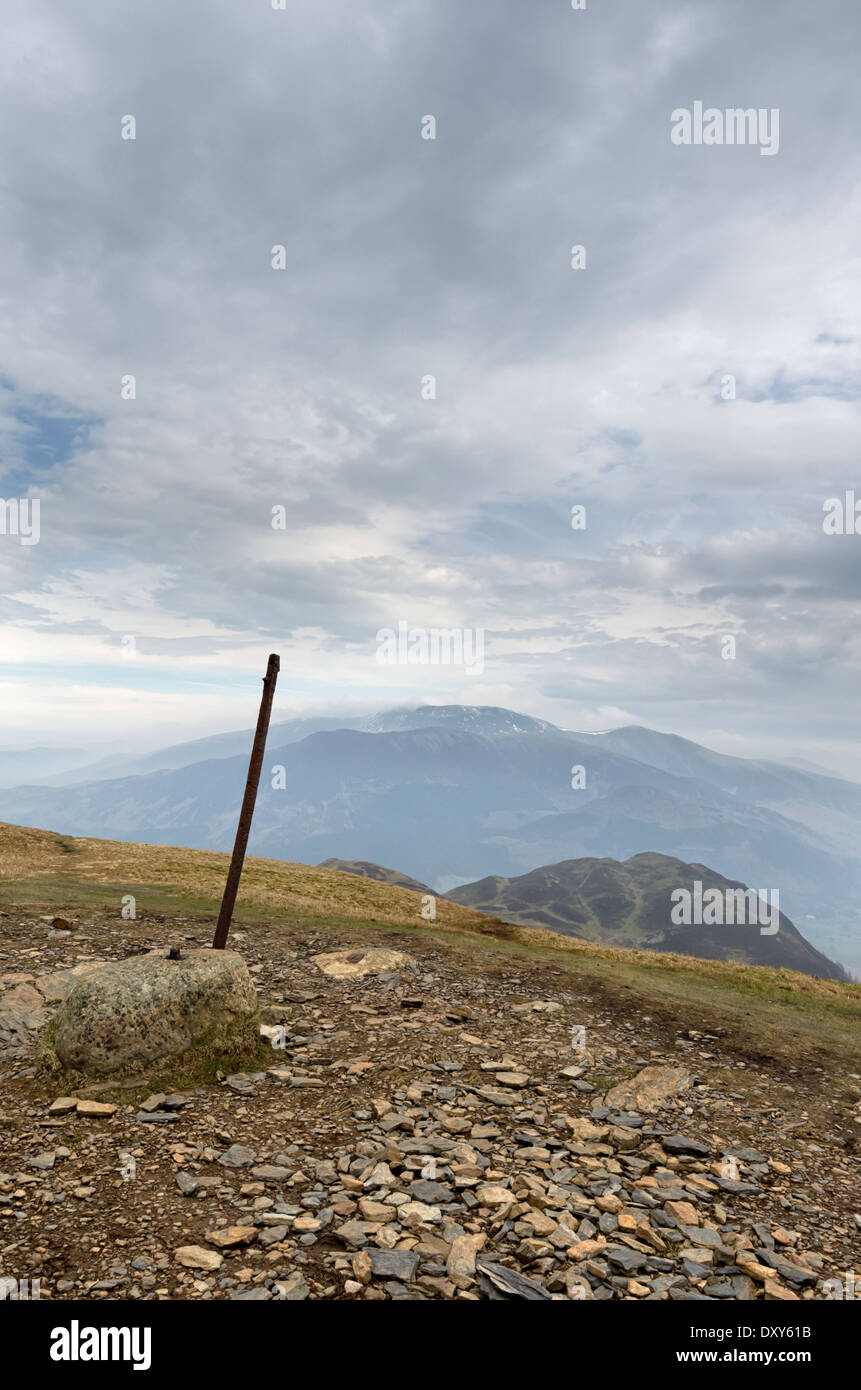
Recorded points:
(393, 1264)
(498, 1282)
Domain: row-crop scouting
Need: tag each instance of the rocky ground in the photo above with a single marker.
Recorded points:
(460, 1124)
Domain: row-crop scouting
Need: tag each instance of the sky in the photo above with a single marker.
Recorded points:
(434, 378)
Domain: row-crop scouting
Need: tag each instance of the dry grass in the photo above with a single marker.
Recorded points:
(270, 886)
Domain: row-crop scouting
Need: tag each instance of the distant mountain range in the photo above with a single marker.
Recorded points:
(455, 793)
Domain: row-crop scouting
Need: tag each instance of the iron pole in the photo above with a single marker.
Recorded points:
(219, 941)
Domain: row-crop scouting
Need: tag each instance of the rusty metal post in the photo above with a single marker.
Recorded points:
(219, 941)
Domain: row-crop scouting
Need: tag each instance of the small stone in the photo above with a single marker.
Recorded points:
(754, 1269)
(153, 1102)
(273, 1235)
(237, 1157)
(294, 1289)
(425, 1190)
(44, 1161)
(492, 1195)
(96, 1108)
(195, 1257)
(230, 1236)
(63, 1105)
(393, 1264)
(460, 1265)
(683, 1144)
(270, 1172)
(775, 1292)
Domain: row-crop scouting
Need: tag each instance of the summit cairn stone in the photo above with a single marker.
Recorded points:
(126, 1014)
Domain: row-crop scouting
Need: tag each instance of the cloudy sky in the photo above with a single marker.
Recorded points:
(301, 388)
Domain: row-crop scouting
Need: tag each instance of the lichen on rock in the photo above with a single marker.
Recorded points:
(125, 1015)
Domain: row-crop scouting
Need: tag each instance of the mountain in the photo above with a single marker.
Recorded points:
(631, 905)
(363, 869)
(484, 719)
(454, 793)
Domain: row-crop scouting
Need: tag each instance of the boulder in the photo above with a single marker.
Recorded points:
(126, 1014)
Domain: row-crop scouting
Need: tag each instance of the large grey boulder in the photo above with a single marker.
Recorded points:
(123, 1015)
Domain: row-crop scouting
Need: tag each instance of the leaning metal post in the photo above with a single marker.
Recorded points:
(231, 888)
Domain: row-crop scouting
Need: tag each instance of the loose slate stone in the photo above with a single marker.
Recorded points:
(431, 1192)
(154, 1102)
(242, 1084)
(273, 1235)
(195, 1257)
(229, 1236)
(684, 1144)
(794, 1273)
(495, 1097)
(63, 1105)
(736, 1185)
(624, 1258)
(294, 1289)
(270, 1172)
(43, 1161)
(393, 1264)
(499, 1282)
(237, 1157)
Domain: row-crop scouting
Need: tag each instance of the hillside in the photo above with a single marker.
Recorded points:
(40, 866)
(630, 904)
(503, 1112)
